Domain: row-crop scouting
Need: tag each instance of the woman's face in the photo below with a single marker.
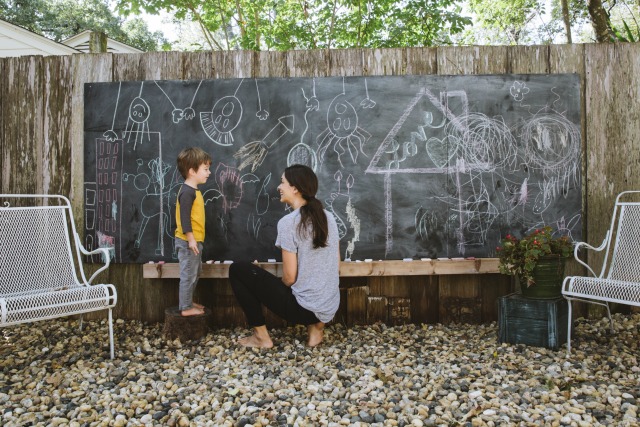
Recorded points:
(287, 191)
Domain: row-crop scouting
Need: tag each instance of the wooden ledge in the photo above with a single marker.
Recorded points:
(347, 269)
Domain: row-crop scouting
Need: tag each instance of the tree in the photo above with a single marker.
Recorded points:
(313, 24)
(61, 19)
(615, 20)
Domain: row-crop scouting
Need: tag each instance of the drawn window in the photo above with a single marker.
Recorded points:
(90, 197)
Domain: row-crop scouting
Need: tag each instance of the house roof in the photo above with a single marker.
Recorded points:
(81, 42)
(17, 41)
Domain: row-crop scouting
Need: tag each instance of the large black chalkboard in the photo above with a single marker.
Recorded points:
(411, 166)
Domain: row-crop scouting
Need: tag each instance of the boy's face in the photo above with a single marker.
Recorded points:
(202, 174)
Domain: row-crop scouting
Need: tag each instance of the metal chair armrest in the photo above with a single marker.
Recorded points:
(106, 256)
(579, 245)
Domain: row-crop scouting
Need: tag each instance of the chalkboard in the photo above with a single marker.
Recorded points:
(411, 166)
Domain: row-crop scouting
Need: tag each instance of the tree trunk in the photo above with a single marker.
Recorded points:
(600, 21)
(566, 19)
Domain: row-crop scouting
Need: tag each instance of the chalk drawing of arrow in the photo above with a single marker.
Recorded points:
(254, 152)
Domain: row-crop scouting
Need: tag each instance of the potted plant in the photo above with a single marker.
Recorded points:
(537, 260)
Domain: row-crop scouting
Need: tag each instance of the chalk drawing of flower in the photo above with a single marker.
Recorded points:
(519, 90)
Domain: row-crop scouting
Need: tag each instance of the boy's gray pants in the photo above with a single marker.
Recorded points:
(190, 270)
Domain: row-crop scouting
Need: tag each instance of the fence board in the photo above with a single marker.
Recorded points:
(198, 65)
(4, 144)
(529, 60)
(421, 60)
(346, 63)
(272, 64)
(162, 66)
(57, 125)
(308, 63)
(23, 124)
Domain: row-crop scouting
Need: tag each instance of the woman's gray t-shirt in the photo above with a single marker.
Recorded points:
(317, 285)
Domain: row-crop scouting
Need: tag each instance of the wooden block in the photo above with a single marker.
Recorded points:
(185, 328)
(425, 300)
(376, 309)
(460, 299)
(357, 305)
(535, 322)
(399, 311)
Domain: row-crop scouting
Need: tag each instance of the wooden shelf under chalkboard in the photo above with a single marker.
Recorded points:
(347, 269)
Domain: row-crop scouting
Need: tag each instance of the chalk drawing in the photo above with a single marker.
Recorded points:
(178, 114)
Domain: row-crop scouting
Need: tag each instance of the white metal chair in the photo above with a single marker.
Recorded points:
(619, 278)
(41, 272)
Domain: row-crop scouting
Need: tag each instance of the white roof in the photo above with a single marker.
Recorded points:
(16, 41)
(81, 42)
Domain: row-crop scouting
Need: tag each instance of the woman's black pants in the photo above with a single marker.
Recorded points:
(255, 287)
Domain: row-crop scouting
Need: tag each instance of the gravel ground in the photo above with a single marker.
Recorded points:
(418, 375)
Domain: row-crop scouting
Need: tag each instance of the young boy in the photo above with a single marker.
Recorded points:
(193, 164)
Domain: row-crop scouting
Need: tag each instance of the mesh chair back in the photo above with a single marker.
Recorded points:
(38, 243)
(625, 261)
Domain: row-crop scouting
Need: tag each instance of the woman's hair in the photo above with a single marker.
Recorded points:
(305, 180)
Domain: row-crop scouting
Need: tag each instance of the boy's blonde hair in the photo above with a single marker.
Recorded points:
(192, 158)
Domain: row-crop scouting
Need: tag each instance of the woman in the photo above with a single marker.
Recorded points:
(308, 292)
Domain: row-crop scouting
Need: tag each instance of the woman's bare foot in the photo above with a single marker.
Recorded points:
(253, 341)
(193, 311)
(259, 339)
(200, 306)
(316, 334)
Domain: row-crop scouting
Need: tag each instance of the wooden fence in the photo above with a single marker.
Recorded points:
(41, 151)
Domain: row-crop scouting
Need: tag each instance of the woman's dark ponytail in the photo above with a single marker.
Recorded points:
(305, 180)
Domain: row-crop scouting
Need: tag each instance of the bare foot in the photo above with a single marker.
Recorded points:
(200, 306)
(193, 311)
(316, 334)
(254, 341)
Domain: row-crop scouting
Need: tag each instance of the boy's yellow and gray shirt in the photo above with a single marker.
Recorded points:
(190, 213)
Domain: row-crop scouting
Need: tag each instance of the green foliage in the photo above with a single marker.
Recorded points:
(61, 19)
(519, 257)
(314, 24)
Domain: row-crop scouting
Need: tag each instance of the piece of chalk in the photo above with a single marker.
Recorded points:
(347, 260)
(160, 262)
(216, 262)
(407, 259)
(358, 260)
(425, 259)
(443, 259)
(150, 262)
(457, 259)
(271, 260)
(210, 262)
(368, 260)
(228, 262)
(470, 257)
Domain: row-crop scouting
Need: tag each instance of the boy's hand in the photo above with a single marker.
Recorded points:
(193, 245)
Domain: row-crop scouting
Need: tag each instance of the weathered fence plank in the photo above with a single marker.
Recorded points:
(57, 125)
(4, 144)
(23, 121)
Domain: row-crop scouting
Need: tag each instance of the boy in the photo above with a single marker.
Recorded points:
(193, 164)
